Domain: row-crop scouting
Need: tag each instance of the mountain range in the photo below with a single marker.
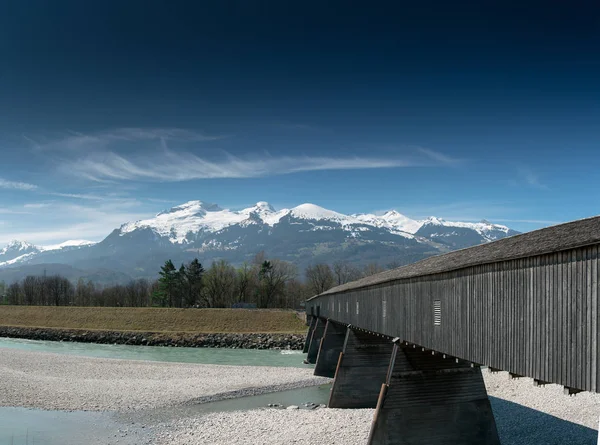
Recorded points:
(304, 235)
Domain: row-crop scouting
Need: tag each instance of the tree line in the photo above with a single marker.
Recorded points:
(263, 283)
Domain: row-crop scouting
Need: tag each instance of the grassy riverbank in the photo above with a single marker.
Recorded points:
(153, 319)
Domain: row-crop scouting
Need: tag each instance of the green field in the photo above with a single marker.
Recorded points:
(154, 319)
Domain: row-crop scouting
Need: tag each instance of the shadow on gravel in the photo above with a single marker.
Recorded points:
(519, 425)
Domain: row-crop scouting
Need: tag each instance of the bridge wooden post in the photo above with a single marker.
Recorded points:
(429, 399)
(311, 328)
(315, 341)
(362, 368)
(332, 344)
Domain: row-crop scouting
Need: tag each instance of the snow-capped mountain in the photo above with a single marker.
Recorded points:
(17, 249)
(70, 244)
(18, 252)
(304, 234)
(462, 234)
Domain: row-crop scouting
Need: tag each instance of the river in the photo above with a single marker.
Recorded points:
(21, 426)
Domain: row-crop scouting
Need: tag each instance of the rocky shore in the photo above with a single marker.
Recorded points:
(174, 339)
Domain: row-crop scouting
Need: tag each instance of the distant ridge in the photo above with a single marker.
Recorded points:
(305, 234)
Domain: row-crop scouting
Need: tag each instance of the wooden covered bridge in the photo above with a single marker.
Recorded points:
(410, 341)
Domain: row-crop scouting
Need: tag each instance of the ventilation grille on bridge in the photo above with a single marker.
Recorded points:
(437, 312)
(383, 309)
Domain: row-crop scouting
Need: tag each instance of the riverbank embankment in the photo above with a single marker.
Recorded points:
(215, 328)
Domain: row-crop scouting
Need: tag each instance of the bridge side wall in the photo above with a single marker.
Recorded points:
(535, 316)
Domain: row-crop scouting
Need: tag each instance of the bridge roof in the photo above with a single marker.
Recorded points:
(566, 236)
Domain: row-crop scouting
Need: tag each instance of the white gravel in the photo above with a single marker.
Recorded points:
(65, 382)
(524, 415)
(272, 427)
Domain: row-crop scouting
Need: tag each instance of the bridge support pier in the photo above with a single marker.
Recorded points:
(429, 399)
(311, 328)
(331, 347)
(362, 368)
(315, 341)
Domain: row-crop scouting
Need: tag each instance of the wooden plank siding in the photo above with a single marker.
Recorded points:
(534, 316)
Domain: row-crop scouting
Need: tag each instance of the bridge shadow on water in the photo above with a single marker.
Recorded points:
(520, 425)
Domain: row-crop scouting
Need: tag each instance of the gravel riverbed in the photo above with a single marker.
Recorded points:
(65, 382)
(525, 415)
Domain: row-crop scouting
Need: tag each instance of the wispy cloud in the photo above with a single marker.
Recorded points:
(14, 185)
(439, 157)
(37, 205)
(64, 220)
(530, 178)
(182, 166)
(75, 141)
(84, 196)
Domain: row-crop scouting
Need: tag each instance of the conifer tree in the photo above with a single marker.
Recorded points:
(193, 280)
(167, 285)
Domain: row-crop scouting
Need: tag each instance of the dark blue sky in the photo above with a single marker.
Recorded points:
(111, 111)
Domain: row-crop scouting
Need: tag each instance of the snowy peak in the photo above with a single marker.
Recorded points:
(264, 207)
(315, 212)
(16, 250)
(192, 207)
(482, 226)
(70, 244)
(462, 234)
(400, 222)
(18, 246)
(391, 220)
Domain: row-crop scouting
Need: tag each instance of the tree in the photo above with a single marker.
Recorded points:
(319, 277)
(31, 290)
(219, 284)
(273, 277)
(246, 281)
(168, 284)
(296, 292)
(393, 264)
(193, 282)
(372, 269)
(60, 290)
(344, 272)
(13, 293)
(82, 296)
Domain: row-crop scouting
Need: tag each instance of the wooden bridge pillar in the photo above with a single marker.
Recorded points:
(362, 368)
(311, 328)
(432, 400)
(315, 341)
(331, 347)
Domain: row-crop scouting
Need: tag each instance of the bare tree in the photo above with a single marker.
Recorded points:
(219, 284)
(319, 277)
(246, 282)
(372, 269)
(273, 277)
(14, 293)
(31, 290)
(345, 273)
